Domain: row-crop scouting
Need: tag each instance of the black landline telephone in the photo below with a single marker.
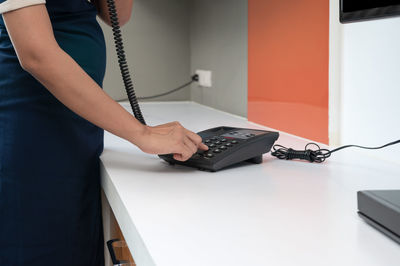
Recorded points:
(227, 145)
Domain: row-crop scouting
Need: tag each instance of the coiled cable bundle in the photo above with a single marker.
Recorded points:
(123, 64)
(318, 155)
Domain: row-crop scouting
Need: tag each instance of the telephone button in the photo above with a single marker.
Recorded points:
(217, 142)
(234, 142)
(217, 151)
(212, 145)
(228, 144)
(223, 140)
(223, 147)
(209, 155)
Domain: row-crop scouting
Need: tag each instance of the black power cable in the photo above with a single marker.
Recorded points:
(194, 79)
(317, 155)
(123, 65)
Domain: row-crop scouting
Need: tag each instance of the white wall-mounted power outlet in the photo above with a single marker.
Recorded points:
(205, 78)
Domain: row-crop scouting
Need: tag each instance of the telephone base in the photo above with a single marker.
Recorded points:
(256, 160)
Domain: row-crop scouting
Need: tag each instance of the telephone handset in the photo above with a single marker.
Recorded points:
(227, 145)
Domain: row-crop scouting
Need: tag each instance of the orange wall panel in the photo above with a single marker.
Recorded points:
(288, 66)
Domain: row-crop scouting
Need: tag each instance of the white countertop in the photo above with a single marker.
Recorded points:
(276, 213)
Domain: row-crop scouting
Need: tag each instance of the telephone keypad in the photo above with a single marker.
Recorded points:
(217, 145)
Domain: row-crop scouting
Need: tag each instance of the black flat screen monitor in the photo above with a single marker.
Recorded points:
(358, 10)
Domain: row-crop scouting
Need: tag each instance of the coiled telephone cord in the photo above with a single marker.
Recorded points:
(123, 65)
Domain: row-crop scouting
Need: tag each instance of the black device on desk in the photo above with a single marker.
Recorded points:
(227, 145)
(381, 209)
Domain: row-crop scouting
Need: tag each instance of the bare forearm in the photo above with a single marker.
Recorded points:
(32, 36)
(124, 10)
(65, 79)
(39, 53)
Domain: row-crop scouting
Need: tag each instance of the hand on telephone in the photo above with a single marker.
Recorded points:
(171, 138)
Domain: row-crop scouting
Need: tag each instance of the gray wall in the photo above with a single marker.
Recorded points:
(157, 47)
(167, 40)
(218, 42)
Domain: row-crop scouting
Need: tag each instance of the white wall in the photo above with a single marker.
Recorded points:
(370, 84)
(335, 50)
